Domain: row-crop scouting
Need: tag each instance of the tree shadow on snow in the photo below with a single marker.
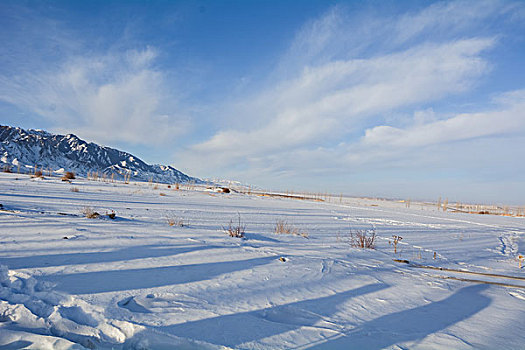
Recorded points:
(235, 329)
(46, 198)
(413, 324)
(19, 344)
(119, 280)
(125, 254)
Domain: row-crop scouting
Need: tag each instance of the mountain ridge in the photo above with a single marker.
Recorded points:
(26, 149)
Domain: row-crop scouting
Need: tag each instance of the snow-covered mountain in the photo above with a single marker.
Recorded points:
(25, 149)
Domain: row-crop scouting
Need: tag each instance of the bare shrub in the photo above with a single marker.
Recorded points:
(7, 169)
(68, 176)
(363, 238)
(236, 230)
(283, 227)
(175, 221)
(38, 173)
(396, 240)
(90, 213)
(74, 189)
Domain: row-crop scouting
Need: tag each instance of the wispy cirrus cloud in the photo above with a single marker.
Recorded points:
(333, 98)
(113, 97)
(333, 95)
(106, 86)
(339, 102)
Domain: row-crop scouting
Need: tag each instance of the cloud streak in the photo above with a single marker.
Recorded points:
(338, 105)
(506, 119)
(334, 99)
(510, 119)
(115, 97)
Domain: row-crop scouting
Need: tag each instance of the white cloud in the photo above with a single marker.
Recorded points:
(328, 101)
(344, 31)
(108, 98)
(345, 77)
(429, 139)
(508, 118)
(449, 17)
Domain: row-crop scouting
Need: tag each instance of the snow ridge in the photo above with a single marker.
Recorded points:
(28, 148)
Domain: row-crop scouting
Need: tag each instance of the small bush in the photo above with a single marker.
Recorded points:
(7, 169)
(363, 238)
(112, 215)
(236, 230)
(395, 241)
(68, 176)
(283, 227)
(74, 189)
(38, 173)
(162, 194)
(90, 213)
(173, 221)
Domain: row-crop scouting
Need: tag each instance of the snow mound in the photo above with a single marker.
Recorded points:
(33, 315)
(28, 305)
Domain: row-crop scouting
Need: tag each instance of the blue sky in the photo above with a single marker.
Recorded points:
(405, 99)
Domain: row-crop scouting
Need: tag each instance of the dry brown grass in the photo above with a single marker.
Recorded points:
(89, 213)
(175, 221)
(283, 227)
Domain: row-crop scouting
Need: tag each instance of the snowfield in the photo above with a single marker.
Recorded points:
(135, 282)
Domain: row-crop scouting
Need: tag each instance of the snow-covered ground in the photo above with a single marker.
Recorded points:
(135, 282)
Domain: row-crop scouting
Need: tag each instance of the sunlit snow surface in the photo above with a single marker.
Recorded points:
(136, 282)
